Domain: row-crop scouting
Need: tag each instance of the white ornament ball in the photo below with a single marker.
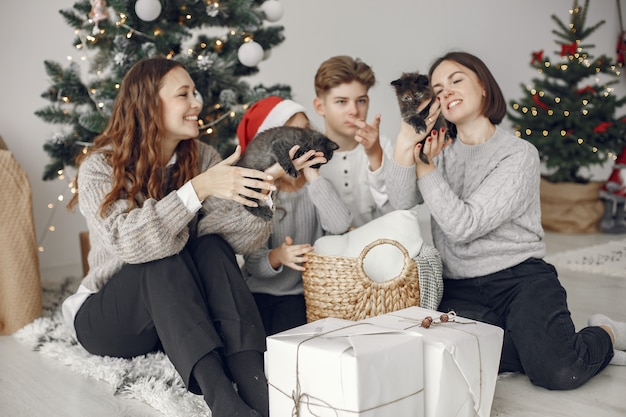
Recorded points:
(273, 10)
(148, 10)
(250, 54)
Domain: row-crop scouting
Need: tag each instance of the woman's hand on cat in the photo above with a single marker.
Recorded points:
(290, 255)
(431, 147)
(235, 183)
(407, 138)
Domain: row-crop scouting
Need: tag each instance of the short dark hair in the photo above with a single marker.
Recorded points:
(494, 107)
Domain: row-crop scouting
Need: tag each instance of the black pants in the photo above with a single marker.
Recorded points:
(540, 340)
(280, 312)
(186, 305)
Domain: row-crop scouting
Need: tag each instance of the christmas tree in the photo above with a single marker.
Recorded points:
(226, 41)
(569, 114)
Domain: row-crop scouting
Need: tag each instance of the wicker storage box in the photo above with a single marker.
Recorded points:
(337, 286)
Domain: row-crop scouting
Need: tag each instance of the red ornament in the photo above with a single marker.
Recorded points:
(537, 57)
(587, 89)
(621, 48)
(602, 127)
(539, 103)
(569, 49)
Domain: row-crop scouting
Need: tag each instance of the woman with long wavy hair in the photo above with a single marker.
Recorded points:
(166, 216)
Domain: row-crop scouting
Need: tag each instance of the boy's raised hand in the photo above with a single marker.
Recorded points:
(368, 135)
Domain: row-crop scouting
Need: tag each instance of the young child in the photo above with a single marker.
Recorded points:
(307, 207)
(356, 170)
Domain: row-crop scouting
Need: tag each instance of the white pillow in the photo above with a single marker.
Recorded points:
(384, 261)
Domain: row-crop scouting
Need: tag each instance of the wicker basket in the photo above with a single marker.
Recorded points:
(337, 286)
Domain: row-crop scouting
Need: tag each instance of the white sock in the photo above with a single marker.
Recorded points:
(619, 358)
(618, 327)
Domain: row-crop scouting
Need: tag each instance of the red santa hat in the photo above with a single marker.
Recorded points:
(272, 111)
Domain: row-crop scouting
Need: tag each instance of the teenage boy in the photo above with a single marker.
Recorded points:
(356, 169)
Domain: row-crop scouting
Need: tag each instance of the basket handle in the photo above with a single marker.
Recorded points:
(383, 241)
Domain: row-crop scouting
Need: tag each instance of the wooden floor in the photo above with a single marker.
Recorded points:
(32, 385)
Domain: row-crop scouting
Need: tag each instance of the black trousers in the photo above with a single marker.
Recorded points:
(280, 312)
(529, 303)
(186, 305)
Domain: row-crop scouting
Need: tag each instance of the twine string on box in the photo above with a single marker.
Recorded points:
(297, 396)
(420, 323)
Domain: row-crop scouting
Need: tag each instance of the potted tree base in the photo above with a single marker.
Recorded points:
(569, 207)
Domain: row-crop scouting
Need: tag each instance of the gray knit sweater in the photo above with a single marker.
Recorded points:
(157, 229)
(306, 215)
(484, 204)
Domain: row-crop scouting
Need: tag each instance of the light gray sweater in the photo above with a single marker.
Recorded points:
(484, 204)
(156, 229)
(305, 215)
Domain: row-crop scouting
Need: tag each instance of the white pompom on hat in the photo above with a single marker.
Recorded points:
(272, 111)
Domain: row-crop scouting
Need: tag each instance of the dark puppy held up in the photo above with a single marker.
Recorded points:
(273, 145)
(412, 89)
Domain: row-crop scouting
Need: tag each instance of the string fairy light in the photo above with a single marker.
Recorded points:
(50, 227)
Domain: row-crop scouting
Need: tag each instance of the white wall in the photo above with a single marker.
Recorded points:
(391, 36)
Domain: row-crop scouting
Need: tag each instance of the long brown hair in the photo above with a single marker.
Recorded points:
(132, 140)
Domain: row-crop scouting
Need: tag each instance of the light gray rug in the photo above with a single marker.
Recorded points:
(150, 378)
(606, 259)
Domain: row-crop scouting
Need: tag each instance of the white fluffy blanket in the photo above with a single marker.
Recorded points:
(150, 378)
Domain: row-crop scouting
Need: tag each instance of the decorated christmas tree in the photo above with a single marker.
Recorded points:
(219, 43)
(569, 113)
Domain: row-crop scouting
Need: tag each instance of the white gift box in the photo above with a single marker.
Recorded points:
(461, 361)
(341, 368)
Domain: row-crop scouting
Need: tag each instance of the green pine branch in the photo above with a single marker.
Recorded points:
(81, 103)
(567, 115)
